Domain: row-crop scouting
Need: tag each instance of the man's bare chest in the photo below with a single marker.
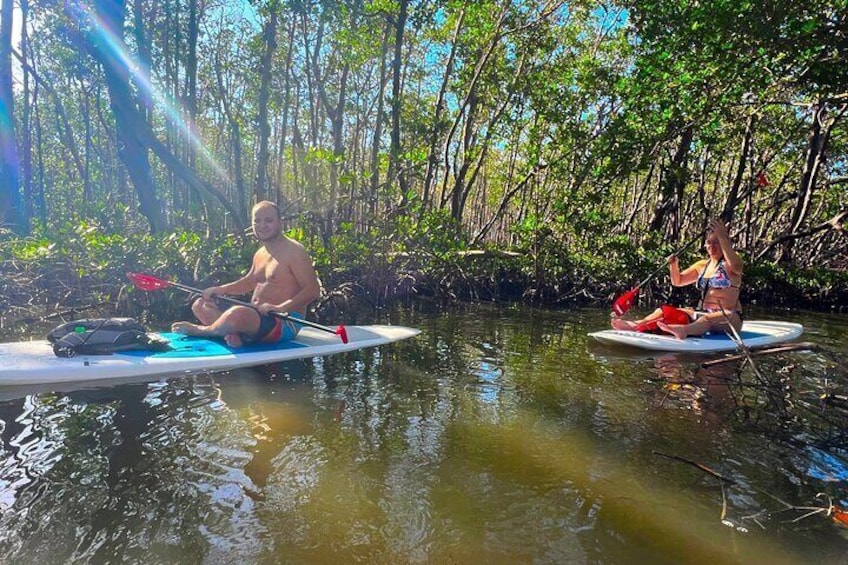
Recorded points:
(273, 270)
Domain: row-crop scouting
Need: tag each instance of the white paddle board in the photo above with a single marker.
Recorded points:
(33, 362)
(754, 334)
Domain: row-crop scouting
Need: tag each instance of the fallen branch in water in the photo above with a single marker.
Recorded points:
(837, 514)
(734, 335)
(709, 471)
(697, 465)
(803, 346)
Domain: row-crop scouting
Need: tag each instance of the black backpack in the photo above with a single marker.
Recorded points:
(102, 336)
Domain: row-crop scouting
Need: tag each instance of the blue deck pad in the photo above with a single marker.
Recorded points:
(187, 346)
(721, 336)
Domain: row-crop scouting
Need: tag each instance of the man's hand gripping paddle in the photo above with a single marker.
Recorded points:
(149, 282)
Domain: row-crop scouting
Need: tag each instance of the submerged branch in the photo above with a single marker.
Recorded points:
(802, 346)
(697, 465)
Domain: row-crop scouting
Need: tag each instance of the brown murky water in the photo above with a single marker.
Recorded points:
(499, 435)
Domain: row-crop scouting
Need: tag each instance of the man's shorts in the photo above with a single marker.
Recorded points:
(274, 329)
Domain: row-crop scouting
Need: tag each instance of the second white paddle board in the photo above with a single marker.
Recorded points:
(755, 333)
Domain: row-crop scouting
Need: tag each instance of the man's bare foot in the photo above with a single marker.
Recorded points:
(619, 324)
(677, 331)
(186, 328)
(233, 340)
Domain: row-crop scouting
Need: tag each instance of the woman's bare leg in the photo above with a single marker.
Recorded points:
(712, 322)
(619, 324)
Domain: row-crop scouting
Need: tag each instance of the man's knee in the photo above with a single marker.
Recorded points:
(206, 311)
(242, 317)
(200, 305)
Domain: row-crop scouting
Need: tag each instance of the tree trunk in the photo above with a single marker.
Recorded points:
(143, 46)
(814, 160)
(744, 154)
(436, 129)
(26, 119)
(135, 138)
(300, 140)
(191, 83)
(11, 210)
(129, 123)
(470, 170)
(65, 130)
(269, 35)
(394, 150)
(287, 103)
(378, 126)
(461, 185)
(465, 112)
(673, 182)
(335, 112)
(235, 140)
(86, 173)
(237, 213)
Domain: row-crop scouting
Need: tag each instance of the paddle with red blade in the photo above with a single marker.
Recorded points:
(624, 302)
(149, 282)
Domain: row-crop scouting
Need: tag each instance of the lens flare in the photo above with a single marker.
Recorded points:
(114, 48)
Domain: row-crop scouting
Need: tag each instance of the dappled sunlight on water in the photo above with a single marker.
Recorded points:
(497, 435)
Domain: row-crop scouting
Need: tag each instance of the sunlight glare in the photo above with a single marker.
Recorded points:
(115, 48)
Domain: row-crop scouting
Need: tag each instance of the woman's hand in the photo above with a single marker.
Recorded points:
(719, 228)
(734, 262)
(674, 270)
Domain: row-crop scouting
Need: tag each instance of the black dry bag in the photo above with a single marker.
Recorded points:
(102, 336)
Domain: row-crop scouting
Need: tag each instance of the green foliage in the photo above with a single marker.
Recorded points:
(554, 264)
(562, 117)
(775, 284)
(392, 242)
(82, 256)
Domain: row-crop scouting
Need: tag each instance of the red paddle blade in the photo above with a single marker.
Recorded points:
(147, 282)
(625, 301)
(342, 333)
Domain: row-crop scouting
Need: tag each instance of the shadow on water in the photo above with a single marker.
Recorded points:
(498, 435)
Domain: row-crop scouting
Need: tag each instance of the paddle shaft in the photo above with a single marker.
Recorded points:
(680, 250)
(725, 215)
(238, 302)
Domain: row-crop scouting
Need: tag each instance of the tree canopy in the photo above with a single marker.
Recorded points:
(511, 119)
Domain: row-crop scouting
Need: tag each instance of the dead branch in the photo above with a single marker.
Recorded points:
(835, 223)
(802, 346)
(697, 465)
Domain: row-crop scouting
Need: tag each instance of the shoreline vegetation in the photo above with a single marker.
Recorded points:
(46, 281)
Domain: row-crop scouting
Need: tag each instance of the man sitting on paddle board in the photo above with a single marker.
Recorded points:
(718, 277)
(281, 278)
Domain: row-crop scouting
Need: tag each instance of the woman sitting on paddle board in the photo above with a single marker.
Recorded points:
(718, 277)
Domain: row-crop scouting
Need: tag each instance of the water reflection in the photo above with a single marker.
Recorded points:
(498, 435)
(694, 386)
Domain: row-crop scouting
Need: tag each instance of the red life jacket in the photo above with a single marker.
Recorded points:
(671, 315)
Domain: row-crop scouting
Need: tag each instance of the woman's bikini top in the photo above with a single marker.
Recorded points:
(719, 279)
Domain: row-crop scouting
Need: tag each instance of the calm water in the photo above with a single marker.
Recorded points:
(499, 435)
